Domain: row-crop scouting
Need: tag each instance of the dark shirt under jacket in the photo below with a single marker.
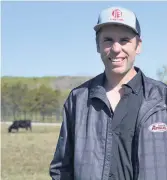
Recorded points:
(123, 126)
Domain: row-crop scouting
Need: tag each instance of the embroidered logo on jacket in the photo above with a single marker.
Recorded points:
(158, 127)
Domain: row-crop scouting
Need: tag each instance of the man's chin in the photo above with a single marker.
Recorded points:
(121, 71)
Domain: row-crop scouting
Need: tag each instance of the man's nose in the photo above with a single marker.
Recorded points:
(116, 47)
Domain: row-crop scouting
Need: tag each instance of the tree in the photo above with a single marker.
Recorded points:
(46, 100)
(12, 96)
(162, 74)
(27, 101)
(5, 101)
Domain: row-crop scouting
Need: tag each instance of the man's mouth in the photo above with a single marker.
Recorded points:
(120, 59)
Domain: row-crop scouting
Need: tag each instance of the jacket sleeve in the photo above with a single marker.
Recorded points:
(61, 167)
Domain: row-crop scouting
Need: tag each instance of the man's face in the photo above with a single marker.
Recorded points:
(118, 46)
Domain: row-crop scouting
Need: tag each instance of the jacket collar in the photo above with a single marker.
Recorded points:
(152, 89)
(97, 89)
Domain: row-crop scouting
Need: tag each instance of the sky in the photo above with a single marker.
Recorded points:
(57, 38)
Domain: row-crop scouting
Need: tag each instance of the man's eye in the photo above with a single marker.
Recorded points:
(108, 40)
(124, 40)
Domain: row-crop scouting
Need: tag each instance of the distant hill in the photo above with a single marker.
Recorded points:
(57, 82)
(68, 82)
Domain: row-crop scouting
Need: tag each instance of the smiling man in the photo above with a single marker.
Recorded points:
(108, 130)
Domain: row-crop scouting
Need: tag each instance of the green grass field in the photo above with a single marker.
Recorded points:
(27, 155)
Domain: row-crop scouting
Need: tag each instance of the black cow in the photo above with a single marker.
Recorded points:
(20, 124)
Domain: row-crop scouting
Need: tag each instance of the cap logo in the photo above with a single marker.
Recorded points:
(158, 127)
(117, 15)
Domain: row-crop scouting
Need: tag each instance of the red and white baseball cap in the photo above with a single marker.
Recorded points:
(118, 15)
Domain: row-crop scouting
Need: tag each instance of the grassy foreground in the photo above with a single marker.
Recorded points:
(27, 155)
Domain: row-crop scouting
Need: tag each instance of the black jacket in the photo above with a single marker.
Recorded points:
(84, 147)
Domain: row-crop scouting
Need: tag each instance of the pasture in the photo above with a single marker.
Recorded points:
(27, 155)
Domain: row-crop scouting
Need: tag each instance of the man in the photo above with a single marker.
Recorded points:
(115, 125)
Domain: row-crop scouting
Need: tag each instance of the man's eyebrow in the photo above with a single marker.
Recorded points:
(111, 39)
(108, 38)
(125, 37)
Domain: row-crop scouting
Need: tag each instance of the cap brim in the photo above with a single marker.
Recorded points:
(98, 26)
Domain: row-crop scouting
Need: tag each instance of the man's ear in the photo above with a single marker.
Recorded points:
(139, 46)
(97, 45)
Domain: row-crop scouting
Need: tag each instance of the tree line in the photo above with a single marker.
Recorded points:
(42, 103)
